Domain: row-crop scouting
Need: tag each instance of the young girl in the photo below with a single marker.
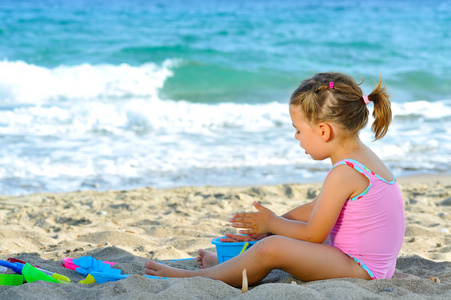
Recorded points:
(359, 207)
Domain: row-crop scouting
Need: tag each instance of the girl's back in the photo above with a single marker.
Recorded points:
(370, 227)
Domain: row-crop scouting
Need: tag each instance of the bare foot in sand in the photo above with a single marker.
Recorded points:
(206, 259)
(162, 270)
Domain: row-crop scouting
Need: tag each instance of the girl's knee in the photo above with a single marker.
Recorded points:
(268, 247)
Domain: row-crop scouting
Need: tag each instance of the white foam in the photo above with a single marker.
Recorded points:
(426, 109)
(81, 117)
(26, 83)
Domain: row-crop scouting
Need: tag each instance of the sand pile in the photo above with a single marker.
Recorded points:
(130, 227)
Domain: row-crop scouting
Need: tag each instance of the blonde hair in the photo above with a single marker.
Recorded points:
(343, 104)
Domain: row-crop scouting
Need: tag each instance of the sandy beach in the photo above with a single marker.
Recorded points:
(130, 227)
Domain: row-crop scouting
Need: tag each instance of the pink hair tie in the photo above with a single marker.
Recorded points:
(365, 99)
(331, 85)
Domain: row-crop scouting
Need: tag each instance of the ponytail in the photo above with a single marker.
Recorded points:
(382, 111)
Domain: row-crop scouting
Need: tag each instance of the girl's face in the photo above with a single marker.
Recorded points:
(307, 134)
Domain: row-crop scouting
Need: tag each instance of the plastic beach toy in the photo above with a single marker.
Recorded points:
(16, 267)
(11, 279)
(88, 280)
(82, 262)
(105, 277)
(14, 260)
(227, 250)
(32, 274)
(87, 264)
(97, 270)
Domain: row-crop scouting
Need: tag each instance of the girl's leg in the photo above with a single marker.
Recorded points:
(207, 259)
(304, 260)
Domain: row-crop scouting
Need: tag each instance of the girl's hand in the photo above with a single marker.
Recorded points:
(254, 223)
(234, 238)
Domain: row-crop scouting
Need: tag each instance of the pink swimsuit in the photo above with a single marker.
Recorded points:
(370, 228)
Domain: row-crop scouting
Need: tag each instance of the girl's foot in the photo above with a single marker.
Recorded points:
(162, 270)
(206, 259)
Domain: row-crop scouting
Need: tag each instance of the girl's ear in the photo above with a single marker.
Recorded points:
(326, 131)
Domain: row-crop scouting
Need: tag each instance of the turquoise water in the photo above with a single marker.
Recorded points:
(123, 94)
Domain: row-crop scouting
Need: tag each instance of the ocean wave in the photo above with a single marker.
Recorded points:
(152, 114)
(27, 83)
(140, 116)
(422, 109)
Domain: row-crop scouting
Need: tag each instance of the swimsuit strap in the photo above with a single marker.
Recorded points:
(368, 171)
(364, 171)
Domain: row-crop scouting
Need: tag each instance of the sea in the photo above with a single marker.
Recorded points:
(123, 94)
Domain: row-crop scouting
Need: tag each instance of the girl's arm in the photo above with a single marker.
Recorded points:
(300, 213)
(341, 183)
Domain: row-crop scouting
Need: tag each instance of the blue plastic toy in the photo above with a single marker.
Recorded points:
(101, 271)
(87, 264)
(105, 277)
(16, 267)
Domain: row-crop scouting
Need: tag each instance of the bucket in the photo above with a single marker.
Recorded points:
(227, 250)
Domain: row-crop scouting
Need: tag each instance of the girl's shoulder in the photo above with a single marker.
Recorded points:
(370, 168)
(343, 177)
